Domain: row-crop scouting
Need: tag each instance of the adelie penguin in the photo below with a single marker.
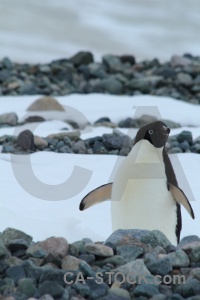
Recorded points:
(145, 192)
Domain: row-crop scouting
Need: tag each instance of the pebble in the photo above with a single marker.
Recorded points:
(40, 143)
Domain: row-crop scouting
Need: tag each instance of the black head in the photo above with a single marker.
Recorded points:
(156, 133)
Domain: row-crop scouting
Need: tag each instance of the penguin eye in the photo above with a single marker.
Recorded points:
(151, 131)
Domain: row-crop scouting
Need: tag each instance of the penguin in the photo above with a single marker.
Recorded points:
(145, 192)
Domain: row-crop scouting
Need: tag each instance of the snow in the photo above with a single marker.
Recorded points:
(37, 191)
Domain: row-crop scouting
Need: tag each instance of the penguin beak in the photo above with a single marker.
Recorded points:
(166, 130)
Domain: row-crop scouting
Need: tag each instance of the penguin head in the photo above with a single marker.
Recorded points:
(156, 133)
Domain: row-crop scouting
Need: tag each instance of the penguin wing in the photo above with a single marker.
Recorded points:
(181, 198)
(99, 194)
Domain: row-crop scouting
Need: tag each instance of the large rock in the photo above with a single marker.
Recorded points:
(56, 246)
(10, 234)
(45, 104)
(26, 140)
(9, 119)
(82, 58)
(117, 235)
(99, 250)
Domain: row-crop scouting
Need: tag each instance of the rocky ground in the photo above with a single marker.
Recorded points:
(119, 75)
(69, 141)
(130, 264)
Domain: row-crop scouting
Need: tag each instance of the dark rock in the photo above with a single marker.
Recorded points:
(4, 265)
(109, 85)
(127, 123)
(129, 252)
(26, 140)
(184, 146)
(155, 238)
(11, 234)
(7, 63)
(51, 288)
(88, 258)
(185, 136)
(33, 119)
(127, 58)
(6, 284)
(97, 290)
(111, 62)
(158, 266)
(116, 260)
(60, 144)
(144, 84)
(55, 275)
(79, 147)
(99, 148)
(179, 259)
(65, 149)
(26, 286)
(146, 290)
(82, 58)
(195, 254)
(82, 289)
(3, 250)
(29, 89)
(16, 273)
(190, 288)
(18, 244)
(113, 142)
(86, 269)
(103, 119)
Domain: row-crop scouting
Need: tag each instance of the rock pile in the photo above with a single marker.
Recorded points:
(130, 264)
(119, 75)
(115, 143)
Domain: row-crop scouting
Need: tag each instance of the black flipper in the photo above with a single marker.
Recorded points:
(99, 194)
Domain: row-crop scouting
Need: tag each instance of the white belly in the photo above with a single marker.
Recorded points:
(140, 202)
